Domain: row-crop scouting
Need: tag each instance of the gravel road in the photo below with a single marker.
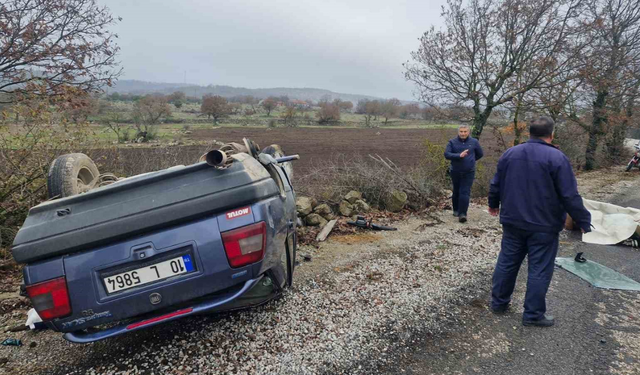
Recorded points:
(350, 316)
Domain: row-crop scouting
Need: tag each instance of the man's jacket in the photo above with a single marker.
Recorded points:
(456, 146)
(535, 187)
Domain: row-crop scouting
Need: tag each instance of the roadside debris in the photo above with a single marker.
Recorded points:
(18, 328)
(430, 223)
(34, 321)
(598, 275)
(611, 224)
(324, 233)
(12, 342)
(362, 222)
(633, 242)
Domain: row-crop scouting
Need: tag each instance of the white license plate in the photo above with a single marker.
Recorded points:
(148, 274)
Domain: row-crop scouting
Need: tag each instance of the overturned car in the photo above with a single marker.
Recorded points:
(214, 236)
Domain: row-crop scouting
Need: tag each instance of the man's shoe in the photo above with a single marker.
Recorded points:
(499, 310)
(462, 218)
(546, 321)
(456, 214)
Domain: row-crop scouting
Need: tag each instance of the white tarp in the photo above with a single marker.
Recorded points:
(613, 224)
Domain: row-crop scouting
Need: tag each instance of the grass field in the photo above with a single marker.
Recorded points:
(187, 118)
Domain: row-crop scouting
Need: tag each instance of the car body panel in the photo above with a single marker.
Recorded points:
(213, 285)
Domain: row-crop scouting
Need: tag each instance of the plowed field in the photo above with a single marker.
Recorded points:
(403, 146)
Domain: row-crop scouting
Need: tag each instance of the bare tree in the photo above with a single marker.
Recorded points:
(215, 106)
(389, 108)
(152, 108)
(178, 98)
(345, 106)
(114, 119)
(610, 81)
(475, 60)
(409, 110)
(328, 113)
(46, 45)
(251, 101)
(372, 108)
(269, 104)
(289, 115)
(79, 106)
(361, 106)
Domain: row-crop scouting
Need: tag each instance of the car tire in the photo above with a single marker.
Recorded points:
(71, 174)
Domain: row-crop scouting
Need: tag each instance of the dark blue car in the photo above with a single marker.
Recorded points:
(161, 246)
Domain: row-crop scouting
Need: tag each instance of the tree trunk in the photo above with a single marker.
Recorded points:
(615, 144)
(480, 120)
(599, 120)
(516, 128)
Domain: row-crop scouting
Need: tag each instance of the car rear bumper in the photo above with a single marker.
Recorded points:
(216, 303)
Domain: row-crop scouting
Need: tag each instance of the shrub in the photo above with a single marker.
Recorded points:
(328, 113)
(330, 180)
(32, 134)
(125, 136)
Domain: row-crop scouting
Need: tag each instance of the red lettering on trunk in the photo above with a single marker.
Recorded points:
(238, 213)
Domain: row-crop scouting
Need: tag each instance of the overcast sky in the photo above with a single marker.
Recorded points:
(348, 46)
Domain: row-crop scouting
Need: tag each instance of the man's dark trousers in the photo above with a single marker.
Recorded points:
(462, 182)
(541, 248)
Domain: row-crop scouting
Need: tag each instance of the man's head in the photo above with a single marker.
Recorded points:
(463, 131)
(542, 128)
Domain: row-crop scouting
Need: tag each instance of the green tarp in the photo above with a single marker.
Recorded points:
(598, 275)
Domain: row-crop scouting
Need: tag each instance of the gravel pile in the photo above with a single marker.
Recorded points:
(350, 319)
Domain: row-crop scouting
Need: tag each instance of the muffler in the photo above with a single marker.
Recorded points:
(217, 159)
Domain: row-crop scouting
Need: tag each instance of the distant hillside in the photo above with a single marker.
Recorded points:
(141, 87)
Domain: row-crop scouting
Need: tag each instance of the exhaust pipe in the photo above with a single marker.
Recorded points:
(217, 159)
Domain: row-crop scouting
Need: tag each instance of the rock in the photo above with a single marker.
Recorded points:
(353, 196)
(315, 220)
(446, 193)
(413, 206)
(346, 208)
(395, 201)
(299, 222)
(325, 211)
(361, 206)
(304, 206)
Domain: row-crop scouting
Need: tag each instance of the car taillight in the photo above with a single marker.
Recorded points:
(50, 298)
(245, 245)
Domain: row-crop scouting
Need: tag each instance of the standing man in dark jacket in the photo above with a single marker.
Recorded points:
(463, 151)
(532, 191)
